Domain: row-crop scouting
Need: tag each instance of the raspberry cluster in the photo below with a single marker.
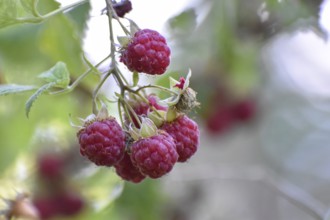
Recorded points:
(151, 135)
(141, 147)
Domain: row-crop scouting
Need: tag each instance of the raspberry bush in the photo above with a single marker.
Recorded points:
(132, 133)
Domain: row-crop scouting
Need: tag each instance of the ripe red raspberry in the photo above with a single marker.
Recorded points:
(185, 133)
(50, 166)
(141, 108)
(69, 203)
(122, 7)
(154, 156)
(127, 171)
(46, 207)
(62, 204)
(244, 110)
(221, 120)
(102, 141)
(147, 52)
(154, 102)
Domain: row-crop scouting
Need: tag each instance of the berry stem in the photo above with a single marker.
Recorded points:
(127, 105)
(95, 111)
(127, 32)
(120, 75)
(156, 87)
(116, 72)
(81, 77)
(120, 113)
(112, 45)
(39, 18)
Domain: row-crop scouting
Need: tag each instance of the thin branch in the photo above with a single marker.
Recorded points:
(40, 18)
(80, 78)
(97, 89)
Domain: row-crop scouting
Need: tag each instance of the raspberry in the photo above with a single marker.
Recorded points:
(147, 52)
(62, 204)
(122, 7)
(102, 141)
(50, 166)
(244, 110)
(154, 156)
(153, 102)
(185, 132)
(127, 171)
(69, 203)
(47, 208)
(221, 120)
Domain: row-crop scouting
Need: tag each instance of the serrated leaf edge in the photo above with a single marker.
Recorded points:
(35, 96)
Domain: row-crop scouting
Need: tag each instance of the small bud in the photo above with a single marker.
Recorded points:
(148, 128)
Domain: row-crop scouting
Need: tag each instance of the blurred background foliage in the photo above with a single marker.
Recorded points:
(219, 40)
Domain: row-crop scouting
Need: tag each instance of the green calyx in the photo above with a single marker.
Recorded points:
(147, 129)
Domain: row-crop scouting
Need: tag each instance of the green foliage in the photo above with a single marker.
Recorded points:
(140, 202)
(7, 89)
(9, 11)
(34, 97)
(58, 75)
(30, 6)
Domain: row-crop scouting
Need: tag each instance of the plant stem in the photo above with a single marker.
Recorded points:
(156, 87)
(60, 10)
(112, 45)
(131, 111)
(97, 89)
(80, 78)
(40, 18)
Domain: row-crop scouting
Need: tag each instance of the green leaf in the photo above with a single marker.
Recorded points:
(13, 12)
(58, 74)
(8, 12)
(64, 45)
(135, 78)
(29, 6)
(13, 89)
(35, 96)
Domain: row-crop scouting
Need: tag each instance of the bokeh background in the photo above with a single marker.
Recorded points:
(262, 73)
